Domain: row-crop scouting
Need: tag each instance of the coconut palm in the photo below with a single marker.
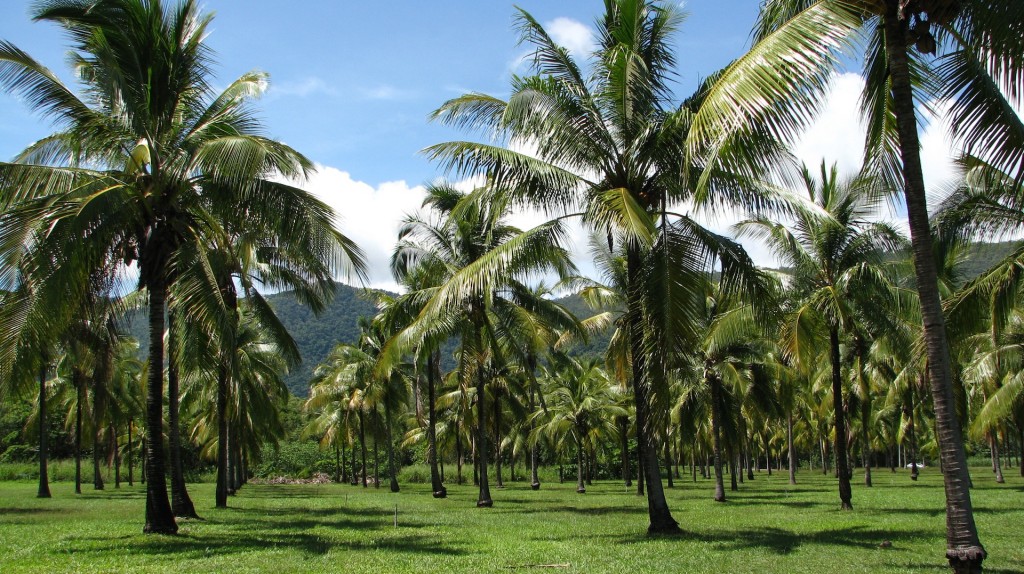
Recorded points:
(780, 82)
(483, 258)
(581, 406)
(611, 146)
(140, 166)
(836, 252)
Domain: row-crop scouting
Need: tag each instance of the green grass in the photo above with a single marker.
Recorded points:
(766, 527)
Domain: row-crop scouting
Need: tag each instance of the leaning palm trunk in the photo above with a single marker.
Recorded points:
(44, 479)
(842, 460)
(181, 502)
(159, 516)
(963, 546)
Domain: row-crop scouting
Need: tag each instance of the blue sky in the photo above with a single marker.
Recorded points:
(352, 84)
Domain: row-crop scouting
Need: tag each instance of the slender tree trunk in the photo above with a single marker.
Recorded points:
(732, 470)
(117, 456)
(337, 462)
(716, 431)
(363, 446)
(865, 416)
(627, 475)
(458, 456)
(963, 546)
(159, 516)
(484, 499)
(1020, 448)
(97, 473)
(842, 460)
(436, 485)
(661, 520)
(789, 447)
(913, 435)
(222, 436)
(181, 502)
(497, 438)
(44, 478)
(144, 450)
(376, 462)
(79, 385)
(668, 462)
(997, 464)
(392, 471)
(131, 462)
(534, 475)
(355, 469)
(640, 474)
(580, 487)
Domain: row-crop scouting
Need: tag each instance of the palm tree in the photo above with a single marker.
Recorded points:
(581, 405)
(780, 82)
(146, 162)
(482, 256)
(612, 147)
(836, 252)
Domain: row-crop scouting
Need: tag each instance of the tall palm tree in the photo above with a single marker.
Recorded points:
(611, 146)
(978, 50)
(836, 252)
(141, 166)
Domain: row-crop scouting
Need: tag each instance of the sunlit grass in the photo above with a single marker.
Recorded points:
(768, 526)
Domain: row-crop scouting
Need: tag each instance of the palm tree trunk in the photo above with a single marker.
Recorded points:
(911, 431)
(131, 462)
(79, 385)
(789, 447)
(497, 438)
(436, 486)
(716, 430)
(661, 520)
(997, 466)
(842, 461)
(181, 502)
(534, 475)
(668, 463)
(484, 499)
(97, 475)
(116, 456)
(44, 478)
(458, 455)
(732, 469)
(865, 418)
(963, 546)
(337, 461)
(159, 516)
(580, 487)
(362, 445)
(376, 461)
(392, 472)
(624, 448)
(222, 437)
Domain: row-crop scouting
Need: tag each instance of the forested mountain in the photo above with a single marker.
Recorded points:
(339, 322)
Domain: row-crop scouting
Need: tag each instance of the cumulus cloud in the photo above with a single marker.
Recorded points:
(572, 35)
(369, 215)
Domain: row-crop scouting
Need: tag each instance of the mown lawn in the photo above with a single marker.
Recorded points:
(767, 526)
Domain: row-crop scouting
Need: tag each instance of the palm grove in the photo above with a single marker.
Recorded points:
(158, 195)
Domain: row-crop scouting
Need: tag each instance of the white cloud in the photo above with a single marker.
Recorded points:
(572, 35)
(302, 88)
(368, 215)
(387, 93)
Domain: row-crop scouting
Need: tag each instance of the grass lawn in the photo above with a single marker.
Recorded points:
(767, 526)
